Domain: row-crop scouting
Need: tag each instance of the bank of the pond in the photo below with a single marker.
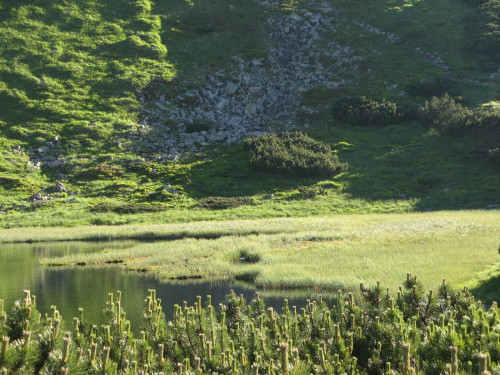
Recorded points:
(70, 288)
(320, 253)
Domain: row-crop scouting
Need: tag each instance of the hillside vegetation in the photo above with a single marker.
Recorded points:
(93, 95)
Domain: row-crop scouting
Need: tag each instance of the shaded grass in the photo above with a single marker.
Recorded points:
(395, 168)
(437, 26)
(321, 253)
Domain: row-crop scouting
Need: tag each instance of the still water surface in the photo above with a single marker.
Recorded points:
(88, 287)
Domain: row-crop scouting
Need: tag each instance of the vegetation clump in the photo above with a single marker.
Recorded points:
(293, 154)
(247, 256)
(223, 203)
(309, 192)
(410, 331)
(131, 208)
(365, 111)
(445, 115)
(198, 126)
(448, 117)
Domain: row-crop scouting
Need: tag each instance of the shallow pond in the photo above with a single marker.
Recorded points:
(88, 287)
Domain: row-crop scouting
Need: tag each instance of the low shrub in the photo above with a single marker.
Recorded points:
(445, 115)
(222, 203)
(293, 154)
(247, 256)
(100, 171)
(132, 208)
(311, 191)
(365, 111)
(198, 126)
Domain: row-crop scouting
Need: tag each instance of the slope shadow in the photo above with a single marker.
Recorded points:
(230, 174)
(488, 291)
(406, 161)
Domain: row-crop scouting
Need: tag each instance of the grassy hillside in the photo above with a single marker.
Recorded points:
(76, 78)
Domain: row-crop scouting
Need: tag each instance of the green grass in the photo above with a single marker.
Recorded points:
(309, 253)
(396, 168)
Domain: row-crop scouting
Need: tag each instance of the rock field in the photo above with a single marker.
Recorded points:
(252, 97)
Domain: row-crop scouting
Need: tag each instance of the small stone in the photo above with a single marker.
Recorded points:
(60, 187)
(161, 106)
(230, 88)
(295, 17)
(221, 104)
(54, 164)
(236, 120)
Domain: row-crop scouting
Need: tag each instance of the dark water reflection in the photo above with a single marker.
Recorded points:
(88, 287)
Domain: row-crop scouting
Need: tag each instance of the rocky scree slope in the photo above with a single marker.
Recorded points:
(251, 97)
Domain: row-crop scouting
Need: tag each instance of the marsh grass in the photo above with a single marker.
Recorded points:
(310, 253)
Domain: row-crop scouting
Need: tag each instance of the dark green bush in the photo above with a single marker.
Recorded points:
(198, 126)
(364, 111)
(132, 208)
(445, 115)
(247, 256)
(222, 203)
(311, 191)
(100, 171)
(293, 154)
